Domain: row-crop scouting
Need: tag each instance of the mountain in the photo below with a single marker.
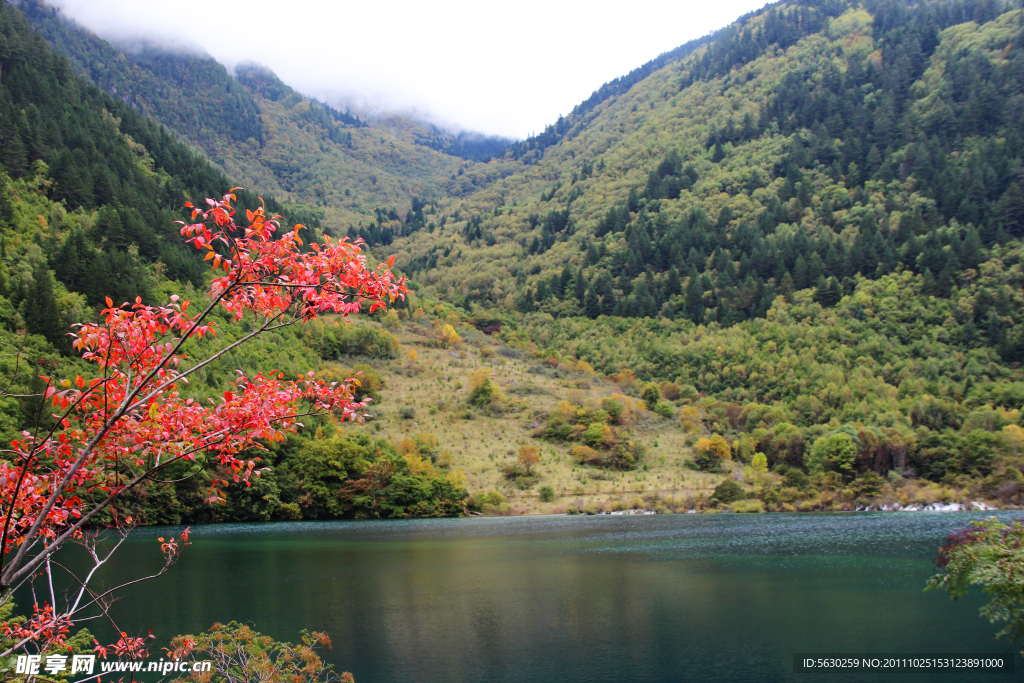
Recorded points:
(268, 137)
(79, 163)
(89, 194)
(90, 190)
(816, 215)
(799, 236)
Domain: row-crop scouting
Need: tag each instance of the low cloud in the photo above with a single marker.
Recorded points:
(500, 69)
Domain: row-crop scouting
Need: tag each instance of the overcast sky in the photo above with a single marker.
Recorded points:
(500, 68)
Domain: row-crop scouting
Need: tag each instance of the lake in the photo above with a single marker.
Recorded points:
(574, 599)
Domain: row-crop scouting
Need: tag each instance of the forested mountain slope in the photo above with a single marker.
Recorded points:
(265, 135)
(814, 217)
(89, 192)
(88, 187)
(907, 126)
(800, 236)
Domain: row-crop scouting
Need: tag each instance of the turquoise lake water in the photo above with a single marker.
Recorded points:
(575, 599)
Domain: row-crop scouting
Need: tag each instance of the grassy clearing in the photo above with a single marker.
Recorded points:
(430, 395)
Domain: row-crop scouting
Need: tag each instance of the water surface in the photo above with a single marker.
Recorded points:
(575, 599)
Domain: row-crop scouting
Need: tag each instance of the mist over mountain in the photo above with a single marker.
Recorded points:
(496, 69)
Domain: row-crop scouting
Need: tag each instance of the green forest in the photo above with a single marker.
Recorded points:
(792, 249)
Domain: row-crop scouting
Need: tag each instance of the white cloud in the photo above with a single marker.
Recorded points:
(506, 69)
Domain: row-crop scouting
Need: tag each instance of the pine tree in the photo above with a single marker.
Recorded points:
(580, 285)
(608, 302)
(970, 249)
(828, 292)
(694, 299)
(718, 154)
(591, 303)
(786, 287)
(944, 284)
(40, 310)
(673, 286)
(929, 286)
(15, 158)
(543, 291)
(6, 200)
(565, 281)
(1011, 210)
(800, 275)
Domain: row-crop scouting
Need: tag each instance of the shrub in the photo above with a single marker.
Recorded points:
(598, 435)
(449, 337)
(500, 510)
(237, 653)
(622, 456)
(614, 408)
(1005, 485)
(711, 453)
(796, 478)
(691, 419)
(834, 453)
(751, 505)
(370, 383)
(728, 491)
(650, 396)
(584, 454)
(602, 444)
(977, 456)
(670, 391)
(407, 412)
(507, 352)
(345, 339)
(664, 408)
(483, 394)
(289, 511)
(546, 493)
(868, 485)
(479, 500)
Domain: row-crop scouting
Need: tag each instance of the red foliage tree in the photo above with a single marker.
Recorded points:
(122, 427)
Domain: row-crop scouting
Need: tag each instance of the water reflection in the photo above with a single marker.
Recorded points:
(666, 598)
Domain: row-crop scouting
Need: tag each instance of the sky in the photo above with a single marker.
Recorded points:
(498, 68)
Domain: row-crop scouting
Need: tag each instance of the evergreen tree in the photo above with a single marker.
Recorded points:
(970, 249)
(694, 298)
(828, 292)
(591, 303)
(40, 310)
(565, 282)
(1011, 210)
(580, 286)
(6, 200)
(786, 287)
(608, 302)
(673, 286)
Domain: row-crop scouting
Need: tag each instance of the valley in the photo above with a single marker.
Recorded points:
(787, 255)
